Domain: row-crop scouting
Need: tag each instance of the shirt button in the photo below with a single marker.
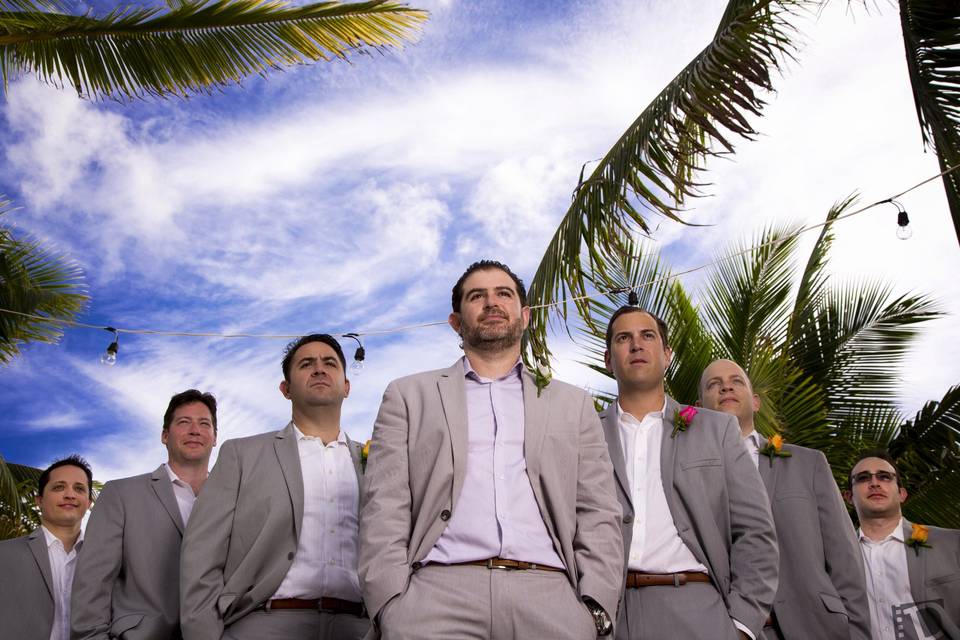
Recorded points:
(445, 515)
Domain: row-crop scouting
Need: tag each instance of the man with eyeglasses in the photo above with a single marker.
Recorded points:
(913, 571)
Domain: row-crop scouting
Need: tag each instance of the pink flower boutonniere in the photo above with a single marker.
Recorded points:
(364, 454)
(682, 419)
(774, 448)
(918, 538)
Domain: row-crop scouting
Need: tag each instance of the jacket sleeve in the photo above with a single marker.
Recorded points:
(203, 555)
(754, 555)
(385, 519)
(98, 565)
(598, 542)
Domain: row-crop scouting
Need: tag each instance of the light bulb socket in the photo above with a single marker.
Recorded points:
(902, 218)
(633, 299)
(359, 354)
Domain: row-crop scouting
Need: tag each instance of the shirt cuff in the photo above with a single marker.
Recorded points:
(739, 625)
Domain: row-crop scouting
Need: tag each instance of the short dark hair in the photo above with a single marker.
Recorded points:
(325, 338)
(485, 265)
(877, 452)
(625, 309)
(187, 397)
(69, 461)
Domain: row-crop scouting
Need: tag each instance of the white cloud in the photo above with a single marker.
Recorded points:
(58, 421)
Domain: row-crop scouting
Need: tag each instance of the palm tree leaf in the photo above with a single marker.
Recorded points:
(931, 37)
(193, 46)
(935, 502)
(650, 168)
(926, 448)
(39, 282)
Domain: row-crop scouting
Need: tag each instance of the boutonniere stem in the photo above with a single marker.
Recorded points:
(918, 538)
(774, 449)
(364, 454)
(682, 419)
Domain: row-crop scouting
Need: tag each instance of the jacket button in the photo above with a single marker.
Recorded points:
(445, 515)
(627, 519)
(416, 566)
(290, 556)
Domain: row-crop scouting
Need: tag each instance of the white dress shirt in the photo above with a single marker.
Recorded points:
(62, 566)
(326, 559)
(656, 546)
(752, 443)
(184, 494)
(888, 580)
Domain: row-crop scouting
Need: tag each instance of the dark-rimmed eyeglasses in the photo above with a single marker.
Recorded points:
(882, 476)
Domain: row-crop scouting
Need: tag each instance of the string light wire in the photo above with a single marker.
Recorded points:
(423, 325)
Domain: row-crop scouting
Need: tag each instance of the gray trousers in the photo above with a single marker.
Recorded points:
(694, 611)
(297, 624)
(476, 603)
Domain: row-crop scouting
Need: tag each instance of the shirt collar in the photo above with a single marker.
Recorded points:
(896, 534)
(52, 539)
(174, 478)
(469, 372)
(752, 440)
(624, 417)
(341, 437)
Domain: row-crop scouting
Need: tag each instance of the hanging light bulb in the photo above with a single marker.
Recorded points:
(356, 367)
(109, 356)
(904, 231)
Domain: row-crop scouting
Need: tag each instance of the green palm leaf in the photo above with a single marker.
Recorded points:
(650, 169)
(926, 448)
(191, 47)
(35, 281)
(931, 36)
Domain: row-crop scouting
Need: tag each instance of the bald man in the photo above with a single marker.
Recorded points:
(822, 592)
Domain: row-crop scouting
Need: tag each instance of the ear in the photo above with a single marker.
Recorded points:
(606, 361)
(847, 495)
(454, 321)
(756, 403)
(346, 388)
(903, 495)
(285, 389)
(669, 353)
(525, 314)
(164, 435)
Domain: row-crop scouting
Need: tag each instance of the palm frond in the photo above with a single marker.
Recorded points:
(926, 448)
(36, 281)
(931, 36)
(192, 46)
(9, 496)
(650, 169)
(935, 502)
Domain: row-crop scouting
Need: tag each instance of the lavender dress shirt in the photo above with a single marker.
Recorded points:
(501, 517)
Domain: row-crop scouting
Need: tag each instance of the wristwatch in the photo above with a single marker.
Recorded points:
(600, 617)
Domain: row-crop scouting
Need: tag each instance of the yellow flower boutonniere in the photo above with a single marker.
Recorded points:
(364, 454)
(682, 419)
(918, 538)
(774, 449)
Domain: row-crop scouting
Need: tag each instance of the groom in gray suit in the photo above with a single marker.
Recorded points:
(822, 593)
(129, 572)
(36, 570)
(701, 551)
(490, 510)
(271, 548)
(913, 571)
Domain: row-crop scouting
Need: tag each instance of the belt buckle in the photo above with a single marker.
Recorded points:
(491, 565)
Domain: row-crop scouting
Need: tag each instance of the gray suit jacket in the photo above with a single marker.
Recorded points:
(243, 531)
(26, 588)
(822, 592)
(418, 463)
(129, 568)
(718, 505)
(935, 575)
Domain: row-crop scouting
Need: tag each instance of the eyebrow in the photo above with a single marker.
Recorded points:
(482, 290)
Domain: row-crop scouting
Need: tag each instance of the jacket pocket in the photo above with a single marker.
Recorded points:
(703, 462)
(124, 623)
(833, 603)
(950, 577)
(225, 602)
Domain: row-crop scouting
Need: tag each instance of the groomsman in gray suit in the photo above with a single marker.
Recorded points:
(913, 571)
(36, 570)
(701, 551)
(271, 548)
(822, 593)
(129, 572)
(490, 511)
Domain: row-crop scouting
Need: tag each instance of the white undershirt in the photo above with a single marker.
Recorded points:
(184, 494)
(326, 559)
(752, 443)
(62, 566)
(888, 579)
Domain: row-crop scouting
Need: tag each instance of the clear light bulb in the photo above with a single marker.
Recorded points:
(109, 356)
(356, 367)
(904, 231)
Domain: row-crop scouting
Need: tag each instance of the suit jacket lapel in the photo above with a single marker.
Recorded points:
(160, 482)
(453, 397)
(355, 450)
(916, 568)
(38, 546)
(611, 431)
(767, 471)
(536, 405)
(288, 453)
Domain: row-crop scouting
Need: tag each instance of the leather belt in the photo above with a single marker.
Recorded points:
(335, 605)
(635, 579)
(503, 563)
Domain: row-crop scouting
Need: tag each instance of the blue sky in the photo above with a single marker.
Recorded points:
(349, 197)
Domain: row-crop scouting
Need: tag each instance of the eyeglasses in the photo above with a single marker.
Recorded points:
(881, 476)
